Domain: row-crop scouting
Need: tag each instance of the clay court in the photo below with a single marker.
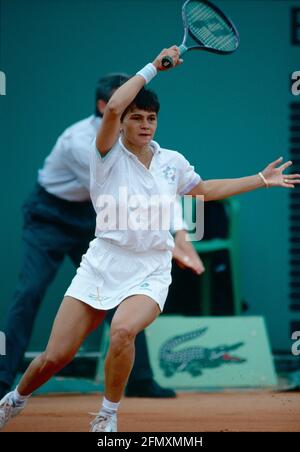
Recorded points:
(190, 412)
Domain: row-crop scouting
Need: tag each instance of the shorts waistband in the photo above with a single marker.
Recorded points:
(109, 245)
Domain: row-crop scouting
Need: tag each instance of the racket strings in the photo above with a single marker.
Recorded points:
(210, 28)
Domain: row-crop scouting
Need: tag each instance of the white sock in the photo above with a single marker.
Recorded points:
(109, 407)
(19, 399)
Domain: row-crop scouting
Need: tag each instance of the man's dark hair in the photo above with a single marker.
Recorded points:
(107, 85)
(145, 100)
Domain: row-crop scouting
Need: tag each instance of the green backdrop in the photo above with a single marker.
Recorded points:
(228, 115)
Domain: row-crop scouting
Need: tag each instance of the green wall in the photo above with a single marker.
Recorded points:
(227, 115)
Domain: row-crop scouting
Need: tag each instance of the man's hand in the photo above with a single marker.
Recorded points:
(185, 255)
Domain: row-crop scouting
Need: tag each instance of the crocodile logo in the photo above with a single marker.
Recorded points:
(195, 359)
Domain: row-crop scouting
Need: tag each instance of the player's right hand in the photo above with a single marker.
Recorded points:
(173, 52)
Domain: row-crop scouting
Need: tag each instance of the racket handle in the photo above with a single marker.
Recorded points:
(167, 62)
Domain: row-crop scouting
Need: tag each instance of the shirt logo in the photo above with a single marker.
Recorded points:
(170, 174)
(144, 285)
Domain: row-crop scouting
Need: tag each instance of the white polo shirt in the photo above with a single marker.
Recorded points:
(121, 178)
(66, 171)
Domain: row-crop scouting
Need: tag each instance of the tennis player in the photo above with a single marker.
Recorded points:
(126, 267)
(59, 222)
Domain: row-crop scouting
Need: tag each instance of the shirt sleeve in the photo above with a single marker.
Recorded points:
(100, 167)
(78, 158)
(188, 178)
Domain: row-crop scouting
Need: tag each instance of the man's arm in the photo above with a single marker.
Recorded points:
(224, 188)
(185, 254)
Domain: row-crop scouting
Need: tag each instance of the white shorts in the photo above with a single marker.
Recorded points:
(108, 274)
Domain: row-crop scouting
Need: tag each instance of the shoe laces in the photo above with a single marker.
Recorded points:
(100, 421)
(5, 409)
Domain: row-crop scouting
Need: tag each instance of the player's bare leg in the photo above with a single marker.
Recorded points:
(132, 316)
(74, 321)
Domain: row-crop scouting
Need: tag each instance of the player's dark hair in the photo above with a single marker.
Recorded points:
(145, 100)
(107, 85)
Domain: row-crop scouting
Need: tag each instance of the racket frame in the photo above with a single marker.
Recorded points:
(200, 45)
(167, 61)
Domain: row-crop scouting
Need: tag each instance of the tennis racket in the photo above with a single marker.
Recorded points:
(208, 26)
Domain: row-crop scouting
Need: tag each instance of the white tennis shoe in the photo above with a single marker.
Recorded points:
(8, 409)
(104, 423)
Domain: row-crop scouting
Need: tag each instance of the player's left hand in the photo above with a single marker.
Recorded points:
(275, 177)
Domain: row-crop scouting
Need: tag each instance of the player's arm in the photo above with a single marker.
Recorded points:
(123, 96)
(110, 126)
(271, 176)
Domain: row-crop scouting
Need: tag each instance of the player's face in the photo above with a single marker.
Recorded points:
(139, 126)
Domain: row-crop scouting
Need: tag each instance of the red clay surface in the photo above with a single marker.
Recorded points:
(189, 412)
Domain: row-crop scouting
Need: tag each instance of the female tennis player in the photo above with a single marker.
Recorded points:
(128, 267)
